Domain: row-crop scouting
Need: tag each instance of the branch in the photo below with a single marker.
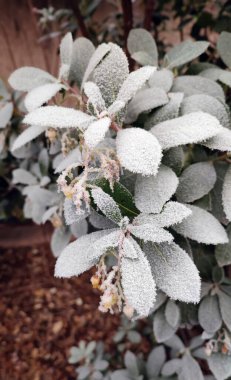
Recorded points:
(75, 7)
(128, 23)
(148, 14)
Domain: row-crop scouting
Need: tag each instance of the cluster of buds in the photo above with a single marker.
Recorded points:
(220, 344)
(110, 169)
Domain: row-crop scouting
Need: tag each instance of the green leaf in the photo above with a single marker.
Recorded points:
(185, 52)
(224, 47)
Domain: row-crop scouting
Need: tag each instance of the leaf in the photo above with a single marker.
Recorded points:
(59, 240)
(220, 366)
(96, 132)
(49, 213)
(111, 72)
(94, 95)
(195, 84)
(130, 248)
(79, 229)
(209, 314)
(167, 112)
(66, 47)
(138, 151)
(151, 232)
(156, 359)
(82, 52)
(162, 79)
(145, 100)
(202, 227)
(58, 117)
(225, 303)
(184, 52)
(151, 193)
(131, 363)
(140, 294)
(73, 259)
(190, 369)
(223, 251)
(6, 112)
(208, 104)
(171, 367)
(95, 59)
(27, 78)
(174, 159)
(72, 214)
(142, 58)
(100, 222)
(224, 47)
(172, 314)
(192, 128)
(40, 95)
(174, 271)
(222, 141)
(111, 240)
(24, 177)
(107, 205)
(134, 82)
(27, 135)
(74, 156)
(226, 194)
(196, 181)
(162, 330)
(140, 40)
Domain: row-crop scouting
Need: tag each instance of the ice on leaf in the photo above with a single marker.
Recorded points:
(95, 59)
(138, 151)
(131, 248)
(83, 50)
(107, 205)
(40, 95)
(66, 47)
(173, 213)
(96, 131)
(111, 240)
(222, 141)
(151, 232)
(72, 214)
(27, 78)
(94, 95)
(28, 135)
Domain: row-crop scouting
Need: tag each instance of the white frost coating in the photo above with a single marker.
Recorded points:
(202, 227)
(28, 135)
(116, 107)
(66, 47)
(73, 157)
(222, 141)
(107, 205)
(151, 193)
(73, 259)
(40, 95)
(151, 232)
(96, 131)
(94, 95)
(191, 128)
(131, 250)
(134, 82)
(162, 78)
(27, 78)
(100, 221)
(73, 215)
(174, 271)
(138, 151)
(58, 117)
(6, 111)
(226, 194)
(111, 240)
(173, 213)
(139, 293)
(196, 181)
(82, 52)
(96, 57)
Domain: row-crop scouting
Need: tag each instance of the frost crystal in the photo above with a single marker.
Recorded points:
(96, 131)
(40, 95)
(107, 205)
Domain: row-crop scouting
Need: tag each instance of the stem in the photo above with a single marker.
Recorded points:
(75, 6)
(148, 14)
(128, 24)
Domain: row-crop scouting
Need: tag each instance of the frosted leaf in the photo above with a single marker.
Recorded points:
(167, 112)
(192, 128)
(174, 272)
(49, 213)
(209, 314)
(190, 369)
(111, 72)
(94, 95)
(196, 181)
(184, 52)
(73, 259)
(116, 107)
(138, 151)
(140, 294)
(224, 46)
(40, 95)
(142, 58)
(95, 59)
(174, 159)
(107, 205)
(151, 193)
(59, 240)
(96, 132)
(222, 141)
(28, 135)
(58, 117)
(162, 78)
(27, 78)
(140, 40)
(111, 240)
(74, 156)
(134, 82)
(83, 50)
(72, 214)
(202, 227)
(206, 103)
(151, 232)
(220, 366)
(131, 249)
(145, 100)
(79, 229)
(195, 84)
(24, 177)
(6, 112)
(172, 313)
(100, 222)
(66, 47)
(161, 328)
(226, 194)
